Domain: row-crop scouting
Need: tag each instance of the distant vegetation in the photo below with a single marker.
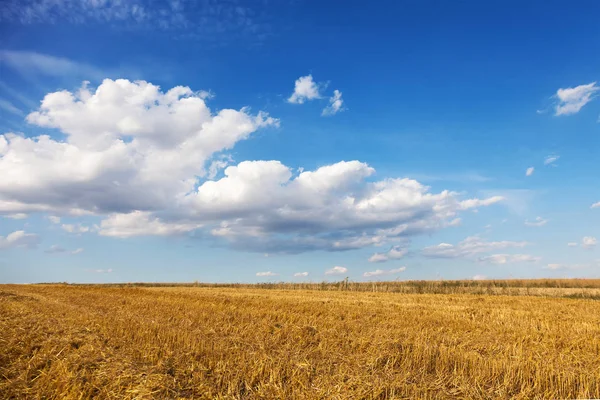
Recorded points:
(318, 341)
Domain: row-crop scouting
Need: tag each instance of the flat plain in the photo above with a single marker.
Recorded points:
(336, 341)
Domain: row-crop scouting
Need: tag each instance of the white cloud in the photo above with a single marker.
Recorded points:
(301, 274)
(468, 248)
(529, 171)
(479, 278)
(336, 104)
(571, 100)
(16, 216)
(139, 223)
(266, 273)
(75, 228)
(572, 244)
(509, 258)
(595, 205)
(128, 147)
(77, 251)
(102, 271)
(380, 272)
(551, 159)
(589, 242)
(337, 270)
(19, 239)
(305, 89)
(394, 253)
(539, 221)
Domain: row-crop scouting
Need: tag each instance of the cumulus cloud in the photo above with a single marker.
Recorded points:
(336, 104)
(571, 100)
(337, 270)
(470, 247)
(529, 171)
(19, 239)
(551, 159)
(589, 242)
(140, 223)
(301, 274)
(266, 274)
(305, 88)
(595, 205)
(394, 253)
(509, 258)
(380, 272)
(539, 221)
(129, 146)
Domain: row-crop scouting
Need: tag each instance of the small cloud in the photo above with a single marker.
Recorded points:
(509, 258)
(337, 270)
(595, 205)
(554, 267)
(551, 159)
(266, 273)
(572, 244)
(301, 274)
(571, 100)
(54, 219)
(19, 239)
(589, 242)
(304, 89)
(539, 221)
(55, 249)
(75, 228)
(479, 278)
(379, 272)
(529, 171)
(395, 253)
(102, 271)
(77, 251)
(336, 104)
(16, 216)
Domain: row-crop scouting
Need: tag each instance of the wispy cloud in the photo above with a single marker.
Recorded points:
(509, 258)
(19, 239)
(266, 274)
(539, 221)
(551, 159)
(595, 205)
(55, 249)
(32, 63)
(571, 100)
(380, 272)
(77, 251)
(9, 107)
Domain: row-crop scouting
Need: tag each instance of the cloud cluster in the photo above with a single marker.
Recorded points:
(571, 100)
(144, 160)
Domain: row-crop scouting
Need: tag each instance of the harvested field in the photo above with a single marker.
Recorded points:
(63, 341)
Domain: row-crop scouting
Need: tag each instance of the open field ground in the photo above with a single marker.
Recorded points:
(65, 341)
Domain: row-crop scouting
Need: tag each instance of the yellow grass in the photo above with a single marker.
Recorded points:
(68, 342)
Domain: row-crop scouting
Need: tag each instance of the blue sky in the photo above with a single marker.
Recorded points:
(298, 141)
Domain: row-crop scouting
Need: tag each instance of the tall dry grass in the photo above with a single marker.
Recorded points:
(187, 342)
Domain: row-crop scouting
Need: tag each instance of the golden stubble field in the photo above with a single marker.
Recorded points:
(73, 342)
